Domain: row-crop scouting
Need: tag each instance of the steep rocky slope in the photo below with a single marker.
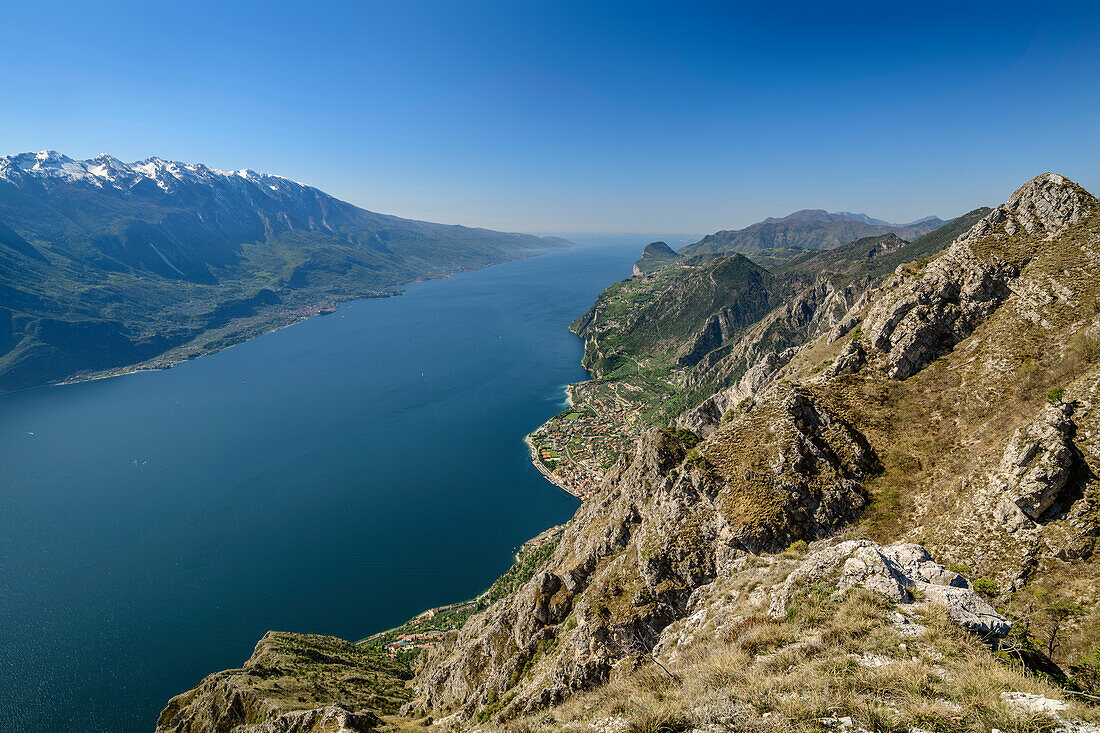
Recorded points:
(828, 288)
(653, 320)
(905, 450)
(892, 527)
(728, 323)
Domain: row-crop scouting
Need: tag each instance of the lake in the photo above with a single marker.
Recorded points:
(338, 477)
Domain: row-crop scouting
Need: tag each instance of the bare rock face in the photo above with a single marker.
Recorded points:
(927, 316)
(924, 316)
(1038, 463)
(903, 573)
(1044, 206)
(849, 361)
(665, 522)
(756, 359)
(288, 685)
(706, 418)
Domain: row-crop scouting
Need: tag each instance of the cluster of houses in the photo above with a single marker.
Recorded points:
(413, 641)
(574, 448)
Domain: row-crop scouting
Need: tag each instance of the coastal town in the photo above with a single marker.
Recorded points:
(574, 449)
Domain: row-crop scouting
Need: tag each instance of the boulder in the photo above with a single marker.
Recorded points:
(1038, 463)
(904, 573)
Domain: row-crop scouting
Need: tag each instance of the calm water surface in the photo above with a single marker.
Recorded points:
(338, 477)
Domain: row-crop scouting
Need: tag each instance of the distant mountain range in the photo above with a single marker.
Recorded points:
(776, 240)
(105, 264)
(835, 216)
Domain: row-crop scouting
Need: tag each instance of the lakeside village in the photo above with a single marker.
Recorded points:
(573, 450)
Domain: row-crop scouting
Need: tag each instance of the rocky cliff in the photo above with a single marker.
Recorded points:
(919, 412)
(888, 523)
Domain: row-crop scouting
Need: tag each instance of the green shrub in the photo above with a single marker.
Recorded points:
(683, 435)
(1054, 396)
(798, 547)
(1086, 671)
(985, 586)
(696, 458)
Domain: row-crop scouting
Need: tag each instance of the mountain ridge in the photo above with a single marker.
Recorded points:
(106, 265)
(892, 527)
(775, 240)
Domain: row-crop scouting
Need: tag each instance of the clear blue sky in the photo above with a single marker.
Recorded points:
(574, 116)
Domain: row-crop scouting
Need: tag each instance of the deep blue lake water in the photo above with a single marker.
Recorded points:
(337, 476)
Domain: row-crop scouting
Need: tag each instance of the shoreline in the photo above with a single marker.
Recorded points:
(543, 470)
(166, 360)
(328, 305)
(427, 627)
(466, 606)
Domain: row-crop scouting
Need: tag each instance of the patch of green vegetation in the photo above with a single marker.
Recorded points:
(986, 587)
(687, 438)
(521, 571)
(486, 713)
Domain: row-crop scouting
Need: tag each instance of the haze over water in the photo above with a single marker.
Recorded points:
(337, 477)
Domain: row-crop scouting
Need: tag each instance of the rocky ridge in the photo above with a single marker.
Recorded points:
(293, 683)
(881, 501)
(732, 496)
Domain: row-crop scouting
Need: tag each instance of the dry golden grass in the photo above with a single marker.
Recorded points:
(827, 659)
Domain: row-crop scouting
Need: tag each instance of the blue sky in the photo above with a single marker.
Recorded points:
(574, 116)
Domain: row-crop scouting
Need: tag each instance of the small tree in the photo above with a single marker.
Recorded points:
(1057, 614)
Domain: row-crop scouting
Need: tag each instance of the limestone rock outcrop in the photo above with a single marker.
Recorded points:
(1038, 463)
(903, 573)
(923, 316)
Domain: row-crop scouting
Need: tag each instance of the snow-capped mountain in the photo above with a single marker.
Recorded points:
(107, 171)
(183, 219)
(105, 263)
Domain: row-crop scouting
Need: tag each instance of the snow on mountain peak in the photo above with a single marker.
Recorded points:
(105, 170)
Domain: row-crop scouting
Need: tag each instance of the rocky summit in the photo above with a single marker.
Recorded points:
(876, 509)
